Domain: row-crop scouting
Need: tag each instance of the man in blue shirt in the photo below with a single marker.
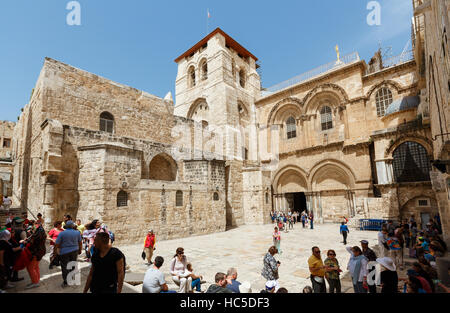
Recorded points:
(68, 243)
(233, 284)
(344, 231)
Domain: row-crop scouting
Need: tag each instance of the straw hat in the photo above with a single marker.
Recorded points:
(387, 263)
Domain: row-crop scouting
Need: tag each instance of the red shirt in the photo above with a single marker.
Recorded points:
(150, 241)
(54, 234)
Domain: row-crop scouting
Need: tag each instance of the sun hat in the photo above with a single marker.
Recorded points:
(245, 287)
(270, 284)
(387, 263)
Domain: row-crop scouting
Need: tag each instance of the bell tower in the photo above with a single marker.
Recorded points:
(217, 82)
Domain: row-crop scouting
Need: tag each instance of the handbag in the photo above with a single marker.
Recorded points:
(143, 255)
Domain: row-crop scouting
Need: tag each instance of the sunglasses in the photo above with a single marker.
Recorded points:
(331, 254)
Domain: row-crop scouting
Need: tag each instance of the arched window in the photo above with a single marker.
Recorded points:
(216, 196)
(191, 76)
(242, 78)
(291, 128)
(204, 69)
(179, 198)
(122, 198)
(411, 163)
(383, 99)
(326, 118)
(107, 122)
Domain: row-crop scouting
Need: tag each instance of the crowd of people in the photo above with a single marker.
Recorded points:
(287, 220)
(23, 245)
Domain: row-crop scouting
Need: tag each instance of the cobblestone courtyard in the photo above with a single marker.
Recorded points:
(243, 248)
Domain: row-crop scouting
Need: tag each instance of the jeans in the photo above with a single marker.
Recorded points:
(303, 223)
(318, 287)
(196, 284)
(312, 225)
(358, 288)
(65, 260)
(335, 285)
(344, 234)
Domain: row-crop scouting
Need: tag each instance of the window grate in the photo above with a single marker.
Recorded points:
(326, 118)
(383, 99)
(411, 163)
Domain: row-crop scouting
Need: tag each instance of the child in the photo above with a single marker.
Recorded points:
(196, 280)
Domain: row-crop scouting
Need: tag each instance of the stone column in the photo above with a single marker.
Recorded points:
(49, 203)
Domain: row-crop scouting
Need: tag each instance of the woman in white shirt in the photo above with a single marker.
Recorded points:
(179, 272)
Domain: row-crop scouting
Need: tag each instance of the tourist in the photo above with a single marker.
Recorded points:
(395, 250)
(311, 219)
(422, 243)
(196, 280)
(40, 219)
(7, 202)
(371, 257)
(270, 265)
(344, 231)
(233, 284)
(390, 226)
(69, 246)
(26, 221)
(332, 272)
(220, 285)
(282, 290)
(285, 221)
(413, 285)
(357, 266)
(270, 287)
(154, 281)
(307, 289)
(66, 218)
(108, 267)
(304, 219)
(276, 236)
(418, 270)
(6, 259)
(89, 235)
(317, 270)
(388, 275)
(398, 233)
(290, 221)
(272, 216)
(17, 235)
(413, 241)
(52, 235)
(178, 269)
(36, 246)
(421, 282)
(382, 241)
(149, 246)
(80, 227)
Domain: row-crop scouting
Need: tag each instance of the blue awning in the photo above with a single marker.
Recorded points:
(403, 104)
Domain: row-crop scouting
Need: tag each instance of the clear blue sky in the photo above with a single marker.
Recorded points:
(134, 42)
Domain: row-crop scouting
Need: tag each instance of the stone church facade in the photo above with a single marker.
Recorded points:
(350, 140)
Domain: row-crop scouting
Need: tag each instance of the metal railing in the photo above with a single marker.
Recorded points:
(399, 59)
(345, 60)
